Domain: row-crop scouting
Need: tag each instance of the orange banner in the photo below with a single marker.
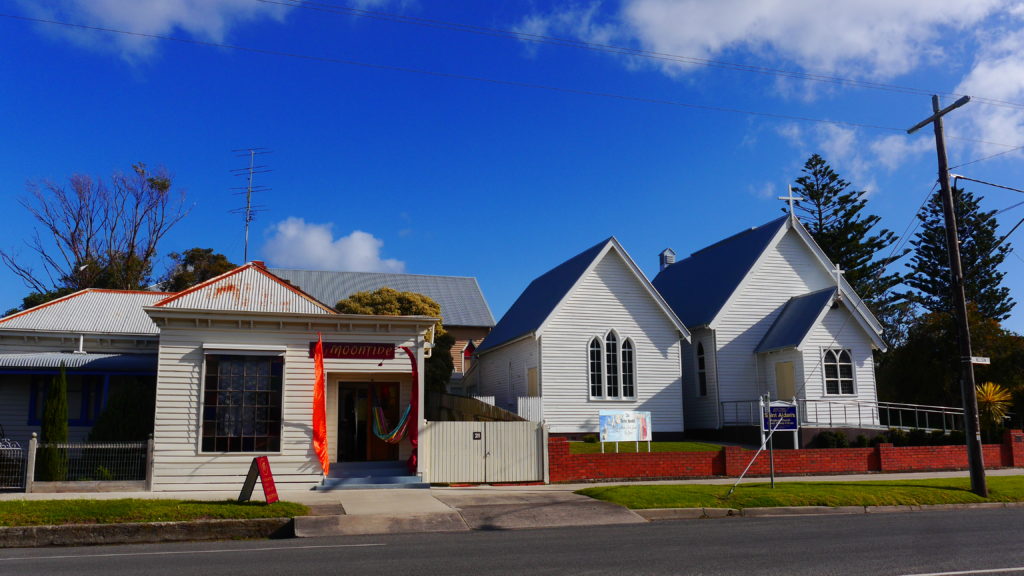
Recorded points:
(320, 408)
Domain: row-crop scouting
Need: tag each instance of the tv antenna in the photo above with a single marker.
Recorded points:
(249, 210)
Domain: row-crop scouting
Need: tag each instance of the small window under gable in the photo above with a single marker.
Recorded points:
(838, 366)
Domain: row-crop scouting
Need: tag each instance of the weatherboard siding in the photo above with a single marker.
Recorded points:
(840, 330)
(787, 269)
(610, 297)
(502, 372)
(701, 411)
(178, 462)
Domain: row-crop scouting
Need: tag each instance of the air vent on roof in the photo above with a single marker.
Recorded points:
(667, 258)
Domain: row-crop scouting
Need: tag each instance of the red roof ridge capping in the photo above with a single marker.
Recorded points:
(260, 267)
(79, 293)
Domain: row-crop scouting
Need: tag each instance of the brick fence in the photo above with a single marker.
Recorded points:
(731, 460)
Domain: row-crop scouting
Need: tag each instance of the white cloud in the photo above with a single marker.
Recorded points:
(894, 150)
(867, 38)
(209, 20)
(997, 75)
(294, 243)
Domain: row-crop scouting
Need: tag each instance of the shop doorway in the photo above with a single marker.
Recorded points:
(356, 404)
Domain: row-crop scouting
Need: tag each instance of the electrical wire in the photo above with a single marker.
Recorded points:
(623, 50)
(457, 76)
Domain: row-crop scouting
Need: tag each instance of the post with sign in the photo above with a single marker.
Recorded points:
(625, 426)
(778, 416)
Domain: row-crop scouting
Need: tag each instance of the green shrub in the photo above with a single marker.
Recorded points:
(831, 439)
(862, 441)
(52, 463)
(590, 438)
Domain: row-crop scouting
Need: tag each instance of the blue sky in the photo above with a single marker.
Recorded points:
(423, 140)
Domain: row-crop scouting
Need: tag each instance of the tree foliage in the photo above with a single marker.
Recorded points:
(53, 462)
(94, 235)
(129, 414)
(193, 266)
(926, 369)
(834, 215)
(389, 302)
(981, 254)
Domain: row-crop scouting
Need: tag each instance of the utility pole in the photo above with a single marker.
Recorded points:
(249, 211)
(971, 423)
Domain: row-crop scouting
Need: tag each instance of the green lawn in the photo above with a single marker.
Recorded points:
(752, 495)
(609, 447)
(50, 512)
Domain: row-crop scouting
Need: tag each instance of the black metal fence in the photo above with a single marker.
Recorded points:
(90, 461)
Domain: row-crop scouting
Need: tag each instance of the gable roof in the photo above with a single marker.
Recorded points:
(91, 311)
(799, 314)
(462, 303)
(535, 305)
(248, 288)
(699, 286)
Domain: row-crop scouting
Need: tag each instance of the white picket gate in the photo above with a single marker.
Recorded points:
(486, 452)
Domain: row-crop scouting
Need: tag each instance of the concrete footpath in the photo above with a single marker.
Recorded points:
(438, 509)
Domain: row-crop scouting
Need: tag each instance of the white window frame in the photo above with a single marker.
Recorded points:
(831, 357)
(619, 383)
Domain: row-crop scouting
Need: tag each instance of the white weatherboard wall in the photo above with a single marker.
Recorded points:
(611, 297)
(840, 330)
(787, 269)
(502, 372)
(178, 462)
(701, 411)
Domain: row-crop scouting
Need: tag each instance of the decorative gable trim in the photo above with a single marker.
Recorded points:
(858, 309)
(311, 304)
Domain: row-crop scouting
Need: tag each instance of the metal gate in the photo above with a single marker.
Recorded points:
(12, 465)
(486, 452)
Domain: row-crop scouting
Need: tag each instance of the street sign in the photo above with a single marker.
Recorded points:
(980, 360)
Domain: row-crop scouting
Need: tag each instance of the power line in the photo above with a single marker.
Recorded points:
(483, 79)
(452, 75)
(987, 157)
(621, 50)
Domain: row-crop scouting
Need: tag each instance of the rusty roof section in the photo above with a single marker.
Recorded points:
(248, 288)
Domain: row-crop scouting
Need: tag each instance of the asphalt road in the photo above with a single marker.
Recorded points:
(948, 542)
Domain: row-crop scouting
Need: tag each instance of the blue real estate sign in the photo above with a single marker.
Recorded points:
(782, 414)
(625, 426)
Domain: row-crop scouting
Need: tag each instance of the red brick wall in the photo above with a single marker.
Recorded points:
(731, 461)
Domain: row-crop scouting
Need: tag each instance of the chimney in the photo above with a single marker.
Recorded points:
(667, 258)
(259, 264)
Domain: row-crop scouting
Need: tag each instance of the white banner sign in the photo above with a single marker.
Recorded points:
(625, 426)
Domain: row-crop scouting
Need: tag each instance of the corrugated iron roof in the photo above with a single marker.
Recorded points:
(696, 288)
(249, 288)
(92, 362)
(539, 299)
(795, 320)
(90, 311)
(462, 303)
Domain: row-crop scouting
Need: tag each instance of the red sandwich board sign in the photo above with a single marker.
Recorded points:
(260, 467)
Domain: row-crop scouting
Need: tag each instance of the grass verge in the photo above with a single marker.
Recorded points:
(55, 512)
(754, 495)
(630, 447)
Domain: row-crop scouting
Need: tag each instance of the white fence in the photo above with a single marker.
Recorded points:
(852, 414)
(481, 452)
(531, 408)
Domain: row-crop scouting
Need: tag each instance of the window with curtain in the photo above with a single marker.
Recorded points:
(242, 403)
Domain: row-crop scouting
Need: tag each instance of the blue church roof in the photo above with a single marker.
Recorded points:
(698, 287)
(795, 320)
(539, 299)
